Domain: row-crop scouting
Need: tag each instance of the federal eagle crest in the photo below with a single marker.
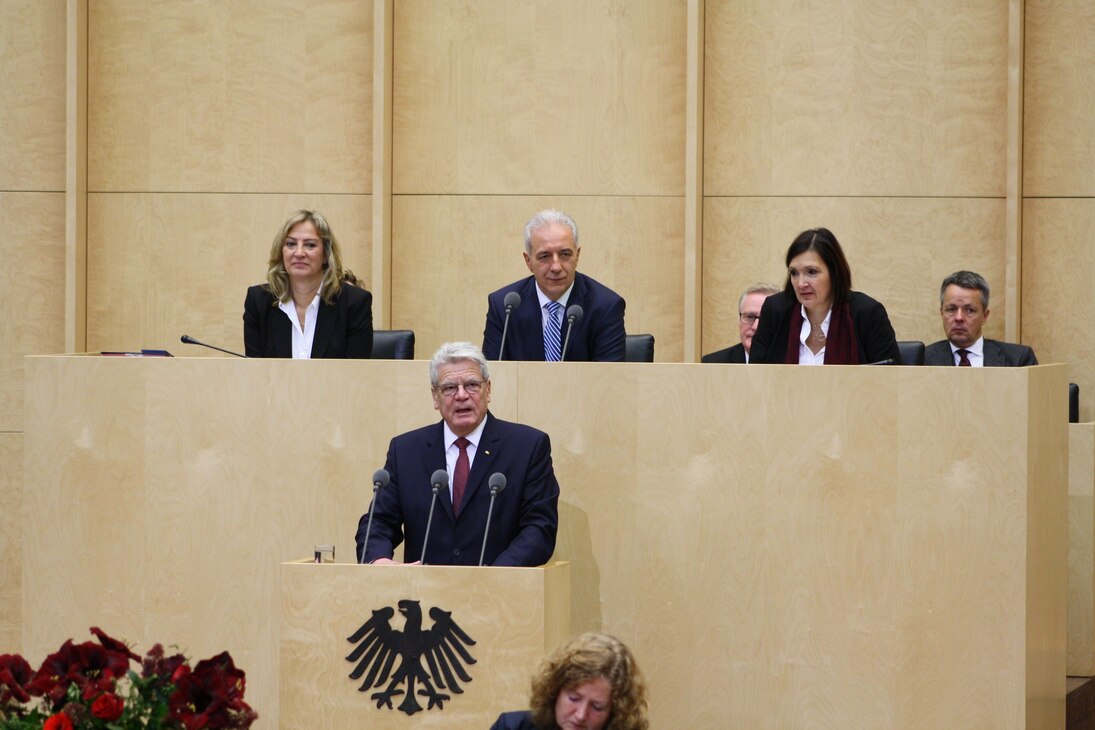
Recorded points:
(379, 647)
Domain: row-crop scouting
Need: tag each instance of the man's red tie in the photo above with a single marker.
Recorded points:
(460, 473)
(964, 361)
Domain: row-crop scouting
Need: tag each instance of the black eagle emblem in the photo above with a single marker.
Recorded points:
(379, 647)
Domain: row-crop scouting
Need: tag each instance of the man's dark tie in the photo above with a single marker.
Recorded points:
(964, 360)
(460, 474)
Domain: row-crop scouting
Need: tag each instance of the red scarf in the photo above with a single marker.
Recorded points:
(841, 347)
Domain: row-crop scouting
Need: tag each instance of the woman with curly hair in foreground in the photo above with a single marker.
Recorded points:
(592, 683)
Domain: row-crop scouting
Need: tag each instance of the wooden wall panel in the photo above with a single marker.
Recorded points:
(899, 251)
(160, 266)
(11, 542)
(1059, 96)
(856, 98)
(1058, 267)
(449, 253)
(543, 97)
(32, 99)
(1081, 549)
(244, 96)
(32, 282)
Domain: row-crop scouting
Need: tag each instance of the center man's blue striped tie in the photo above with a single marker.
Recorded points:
(553, 331)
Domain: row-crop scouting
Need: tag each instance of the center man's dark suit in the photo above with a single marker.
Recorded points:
(874, 334)
(734, 353)
(598, 337)
(526, 513)
(997, 354)
(343, 329)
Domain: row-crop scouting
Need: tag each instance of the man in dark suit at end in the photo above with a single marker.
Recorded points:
(749, 305)
(964, 307)
(471, 445)
(539, 327)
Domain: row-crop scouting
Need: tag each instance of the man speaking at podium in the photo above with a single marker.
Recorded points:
(471, 446)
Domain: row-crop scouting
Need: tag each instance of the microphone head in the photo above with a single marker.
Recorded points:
(440, 479)
(497, 482)
(512, 301)
(186, 339)
(575, 312)
(381, 477)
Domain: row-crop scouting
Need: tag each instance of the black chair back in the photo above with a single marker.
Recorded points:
(912, 352)
(1073, 403)
(639, 348)
(393, 344)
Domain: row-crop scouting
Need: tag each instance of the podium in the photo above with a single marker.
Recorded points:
(482, 634)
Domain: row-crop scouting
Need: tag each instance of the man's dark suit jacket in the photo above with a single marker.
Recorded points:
(521, 720)
(526, 513)
(873, 332)
(735, 353)
(997, 354)
(343, 329)
(598, 337)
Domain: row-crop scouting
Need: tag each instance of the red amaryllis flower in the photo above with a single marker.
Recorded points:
(211, 695)
(157, 664)
(107, 706)
(111, 644)
(92, 667)
(15, 673)
(60, 721)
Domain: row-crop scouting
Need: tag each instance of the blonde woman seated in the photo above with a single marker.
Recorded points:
(303, 310)
(592, 683)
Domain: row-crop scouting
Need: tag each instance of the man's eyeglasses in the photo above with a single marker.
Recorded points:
(748, 318)
(471, 387)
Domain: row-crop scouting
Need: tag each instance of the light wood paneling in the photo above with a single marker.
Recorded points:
(244, 96)
(449, 253)
(32, 112)
(11, 542)
(1081, 549)
(32, 282)
(1058, 267)
(541, 97)
(899, 251)
(160, 266)
(859, 98)
(1059, 96)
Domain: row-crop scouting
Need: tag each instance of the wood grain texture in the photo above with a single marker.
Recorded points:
(510, 613)
(1059, 99)
(799, 553)
(11, 541)
(250, 96)
(163, 265)
(543, 97)
(450, 252)
(899, 251)
(1081, 549)
(32, 284)
(858, 98)
(32, 88)
(1058, 263)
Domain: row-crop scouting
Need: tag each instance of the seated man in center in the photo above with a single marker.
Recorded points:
(470, 444)
(538, 326)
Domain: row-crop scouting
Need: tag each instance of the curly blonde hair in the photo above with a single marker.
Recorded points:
(584, 659)
(277, 279)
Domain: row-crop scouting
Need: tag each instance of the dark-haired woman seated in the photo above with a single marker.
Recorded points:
(817, 319)
(303, 310)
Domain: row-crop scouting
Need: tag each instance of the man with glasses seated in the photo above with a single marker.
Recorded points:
(964, 307)
(748, 316)
(471, 445)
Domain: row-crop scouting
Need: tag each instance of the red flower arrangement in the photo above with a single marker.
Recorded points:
(92, 687)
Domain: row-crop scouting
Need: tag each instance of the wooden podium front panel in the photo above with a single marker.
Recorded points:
(1081, 549)
(819, 547)
(514, 615)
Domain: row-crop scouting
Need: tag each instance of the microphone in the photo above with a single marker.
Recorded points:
(887, 361)
(187, 339)
(497, 483)
(574, 316)
(439, 481)
(381, 477)
(512, 301)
